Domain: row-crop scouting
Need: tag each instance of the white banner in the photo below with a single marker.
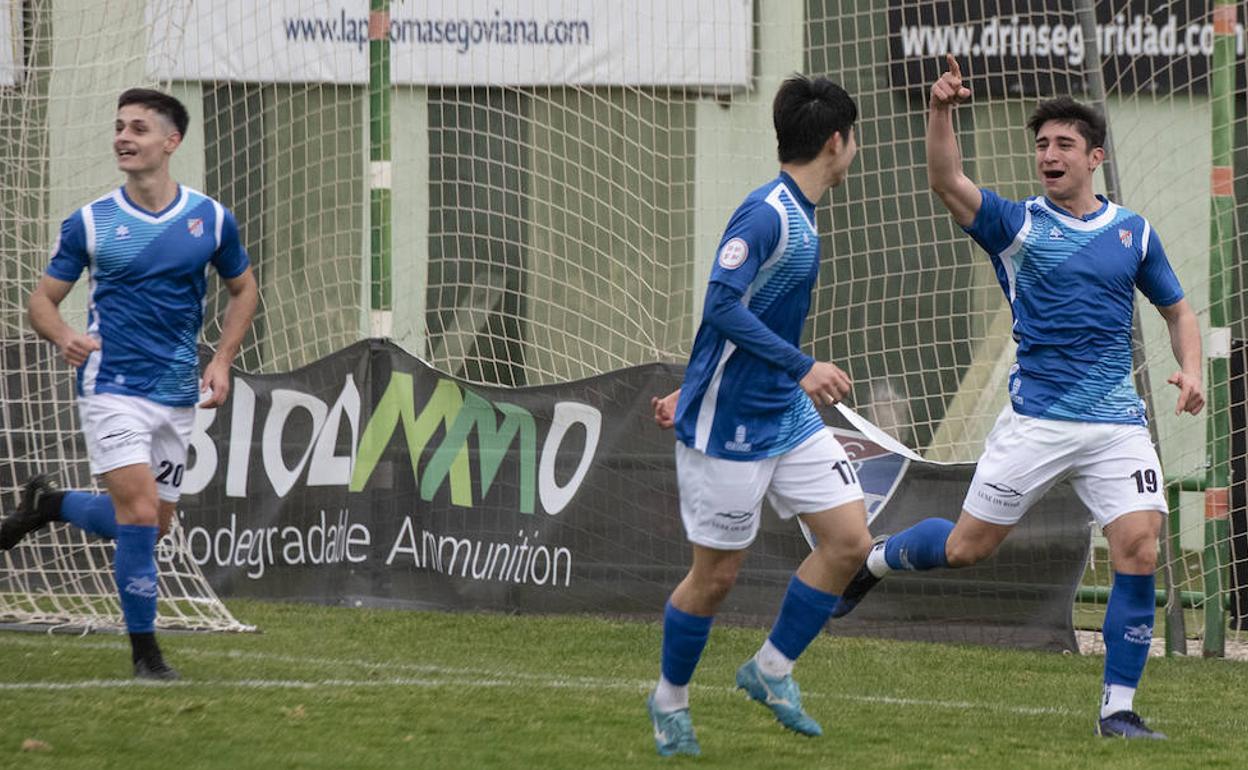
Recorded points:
(457, 42)
(11, 51)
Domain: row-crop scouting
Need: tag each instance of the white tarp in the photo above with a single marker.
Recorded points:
(10, 42)
(457, 42)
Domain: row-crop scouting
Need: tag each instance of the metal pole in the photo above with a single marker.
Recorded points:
(1176, 629)
(1221, 257)
(379, 180)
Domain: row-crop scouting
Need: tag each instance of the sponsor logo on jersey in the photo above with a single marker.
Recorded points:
(733, 253)
(195, 226)
(738, 443)
(1124, 235)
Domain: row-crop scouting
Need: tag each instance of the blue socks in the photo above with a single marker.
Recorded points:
(90, 513)
(802, 616)
(1128, 628)
(684, 638)
(135, 565)
(921, 547)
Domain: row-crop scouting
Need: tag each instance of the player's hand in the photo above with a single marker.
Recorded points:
(1191, 393)
(665, 409)
(948, 91)
(76, 347)
(216, 383)
(826, 384)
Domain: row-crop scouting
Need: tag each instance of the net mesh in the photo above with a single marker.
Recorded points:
(550, 231)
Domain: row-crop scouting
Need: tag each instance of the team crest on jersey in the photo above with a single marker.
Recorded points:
(1124, 235)
(195, 226)
(733, 253)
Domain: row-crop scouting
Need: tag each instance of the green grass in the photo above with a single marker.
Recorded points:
(339, 688)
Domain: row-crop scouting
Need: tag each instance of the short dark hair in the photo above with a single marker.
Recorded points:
(806, 112)
(1087, 121)
(160, 103)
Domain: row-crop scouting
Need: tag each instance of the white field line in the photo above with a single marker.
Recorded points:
(443, 676)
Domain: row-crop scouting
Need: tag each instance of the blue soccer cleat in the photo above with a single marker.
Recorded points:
(673, 731)
(1126, 724)
(780, 695)
(862, 581)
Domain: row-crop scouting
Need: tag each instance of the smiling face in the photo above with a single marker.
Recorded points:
(143, 139)
(1065, 162)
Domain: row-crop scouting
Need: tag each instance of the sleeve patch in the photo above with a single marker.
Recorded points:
(733, 253)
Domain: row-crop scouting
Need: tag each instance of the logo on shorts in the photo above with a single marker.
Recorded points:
(120, 438)
(738, 443)
(1001, 495)
(733, 521)
(1003, 489)
(1141, 634)
(733, 253)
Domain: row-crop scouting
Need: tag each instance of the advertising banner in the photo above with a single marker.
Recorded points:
(1039, 48)
(705, 43)
(370, 479)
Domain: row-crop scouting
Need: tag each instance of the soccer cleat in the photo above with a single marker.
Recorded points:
(28, 517)
(862, 581)
(780, 695)
(156, 669)
(1126, 724)
(673, 731)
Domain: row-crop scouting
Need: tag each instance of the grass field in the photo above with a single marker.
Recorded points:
(340, 688)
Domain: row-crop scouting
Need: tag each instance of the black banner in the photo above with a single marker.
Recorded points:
(368, 478)
(1037, 48)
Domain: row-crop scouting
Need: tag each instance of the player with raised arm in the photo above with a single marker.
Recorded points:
(1069, 261)
(146, 247)
(747, 427)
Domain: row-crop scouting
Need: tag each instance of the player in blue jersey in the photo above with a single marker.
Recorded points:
(1069, 261)
(747, 427)
(146, 247)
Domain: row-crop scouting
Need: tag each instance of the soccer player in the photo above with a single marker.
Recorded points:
(1069, 261)
(747, 427)
(146, 247)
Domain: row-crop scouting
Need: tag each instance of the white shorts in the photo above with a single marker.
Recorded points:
(1113, 468)
(721, 501)
(128, 430)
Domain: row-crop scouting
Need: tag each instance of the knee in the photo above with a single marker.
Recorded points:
(139, 513)
(717, 582)
(845, 549)
(1137, 554)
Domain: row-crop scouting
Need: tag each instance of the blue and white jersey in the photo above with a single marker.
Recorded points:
(741, 399)
(149, 274)
(1071, 284)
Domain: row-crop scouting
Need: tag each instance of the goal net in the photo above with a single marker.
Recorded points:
(529, 195)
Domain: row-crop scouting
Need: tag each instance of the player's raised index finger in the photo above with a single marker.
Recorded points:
(954, 69)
